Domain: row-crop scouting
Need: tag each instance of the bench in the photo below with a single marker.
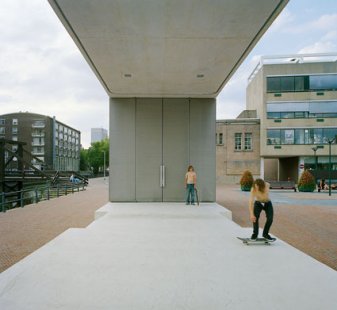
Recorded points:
(282, 185)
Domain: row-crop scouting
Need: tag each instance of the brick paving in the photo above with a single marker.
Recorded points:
(305, 220)
(24, 230)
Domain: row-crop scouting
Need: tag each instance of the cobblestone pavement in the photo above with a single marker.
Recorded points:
(307, 221)
(24, 230)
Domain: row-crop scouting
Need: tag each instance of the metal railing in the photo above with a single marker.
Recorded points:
(27, 196)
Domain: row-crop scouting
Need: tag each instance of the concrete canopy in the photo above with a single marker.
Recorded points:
(166, 48)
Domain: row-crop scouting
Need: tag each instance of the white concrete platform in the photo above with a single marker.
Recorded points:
(165, 256)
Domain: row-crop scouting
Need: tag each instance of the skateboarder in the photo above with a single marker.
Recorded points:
(190, 183)
(258, 201)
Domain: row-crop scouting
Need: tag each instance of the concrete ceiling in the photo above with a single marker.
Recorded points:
(166, 48)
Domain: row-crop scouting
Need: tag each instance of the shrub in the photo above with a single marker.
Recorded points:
(306, 183)
(246, 181)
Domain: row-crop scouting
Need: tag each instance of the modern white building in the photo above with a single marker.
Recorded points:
(295, 98)
(98, 134)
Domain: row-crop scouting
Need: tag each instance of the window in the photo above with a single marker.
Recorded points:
(248, 141)
(302, 109)
(38, 124)
(220, 138)
(14, 130)
(323, 82)
(15, 138)
(15, 121)
(301, 83)
(2, 130)
(273, 136)
(2, 121)
(238, 141)
(300, 136)
(287, 136)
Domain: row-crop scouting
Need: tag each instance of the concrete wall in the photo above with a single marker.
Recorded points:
(148, 132)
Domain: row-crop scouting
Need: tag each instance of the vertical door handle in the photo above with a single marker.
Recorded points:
(162, 176)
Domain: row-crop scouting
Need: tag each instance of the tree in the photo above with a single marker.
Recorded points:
(96, 155)
(306, 183)
(246, 181)
(84, 163)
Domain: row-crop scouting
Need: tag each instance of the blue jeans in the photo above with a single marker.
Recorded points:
(190, 192)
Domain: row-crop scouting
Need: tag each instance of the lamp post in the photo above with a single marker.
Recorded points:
(104, 165)
(330, 141)
(315, 148)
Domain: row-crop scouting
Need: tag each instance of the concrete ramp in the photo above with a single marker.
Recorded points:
(165, 256)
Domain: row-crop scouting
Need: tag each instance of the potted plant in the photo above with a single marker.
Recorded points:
(306, 183)
(246, 181)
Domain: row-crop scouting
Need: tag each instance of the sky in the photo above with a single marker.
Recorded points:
(42, 70)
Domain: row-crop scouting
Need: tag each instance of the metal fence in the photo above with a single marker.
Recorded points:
(30, 195)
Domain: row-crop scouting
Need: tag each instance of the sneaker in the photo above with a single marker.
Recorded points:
(269, 238)
(253, 237)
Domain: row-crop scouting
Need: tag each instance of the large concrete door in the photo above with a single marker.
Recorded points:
(149, 149)
(175, 147)
(161, 149)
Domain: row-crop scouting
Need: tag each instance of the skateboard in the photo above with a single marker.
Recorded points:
(249, 241)
(196, 196)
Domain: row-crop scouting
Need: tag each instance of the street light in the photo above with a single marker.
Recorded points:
(104, 165)
(330, 142)
(315, 148)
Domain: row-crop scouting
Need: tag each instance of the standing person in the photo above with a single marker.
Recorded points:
(190, 183)
(258, 201)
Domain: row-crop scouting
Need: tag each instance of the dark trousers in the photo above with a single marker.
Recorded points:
(268, 208)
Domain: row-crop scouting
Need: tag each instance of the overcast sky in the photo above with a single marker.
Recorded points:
(42, 71)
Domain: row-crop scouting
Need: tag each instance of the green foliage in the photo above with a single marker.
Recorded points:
(96, 155)
(306, 183)
(246, 181)
(84, 163)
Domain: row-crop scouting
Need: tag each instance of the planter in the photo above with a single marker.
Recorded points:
(246, 188)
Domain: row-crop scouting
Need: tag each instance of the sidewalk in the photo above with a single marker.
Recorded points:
(165, 256)
(24, 230)
(307, 221)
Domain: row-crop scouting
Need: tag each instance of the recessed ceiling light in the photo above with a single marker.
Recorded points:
(199, 76)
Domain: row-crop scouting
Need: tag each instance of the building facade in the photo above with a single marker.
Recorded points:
(295, 98)
(98, 134)
(237, 147)
(54, 143)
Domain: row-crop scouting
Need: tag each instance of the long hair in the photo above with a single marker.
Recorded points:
(190, 167)
(261, 185)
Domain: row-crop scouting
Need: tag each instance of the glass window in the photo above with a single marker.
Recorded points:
(329, 134)
(287, 136)
(2, 130)
(323, 82)
(287, 83)
(15, 138)
(273, 136)
(273, 115)
(299, 83)
(238, 137)
(2, 121)
(287, 114)
(15, 121)
(220, 138)
(273, 84)
(14, 130)
(299, 136)
(248, 141)
(318, 135)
